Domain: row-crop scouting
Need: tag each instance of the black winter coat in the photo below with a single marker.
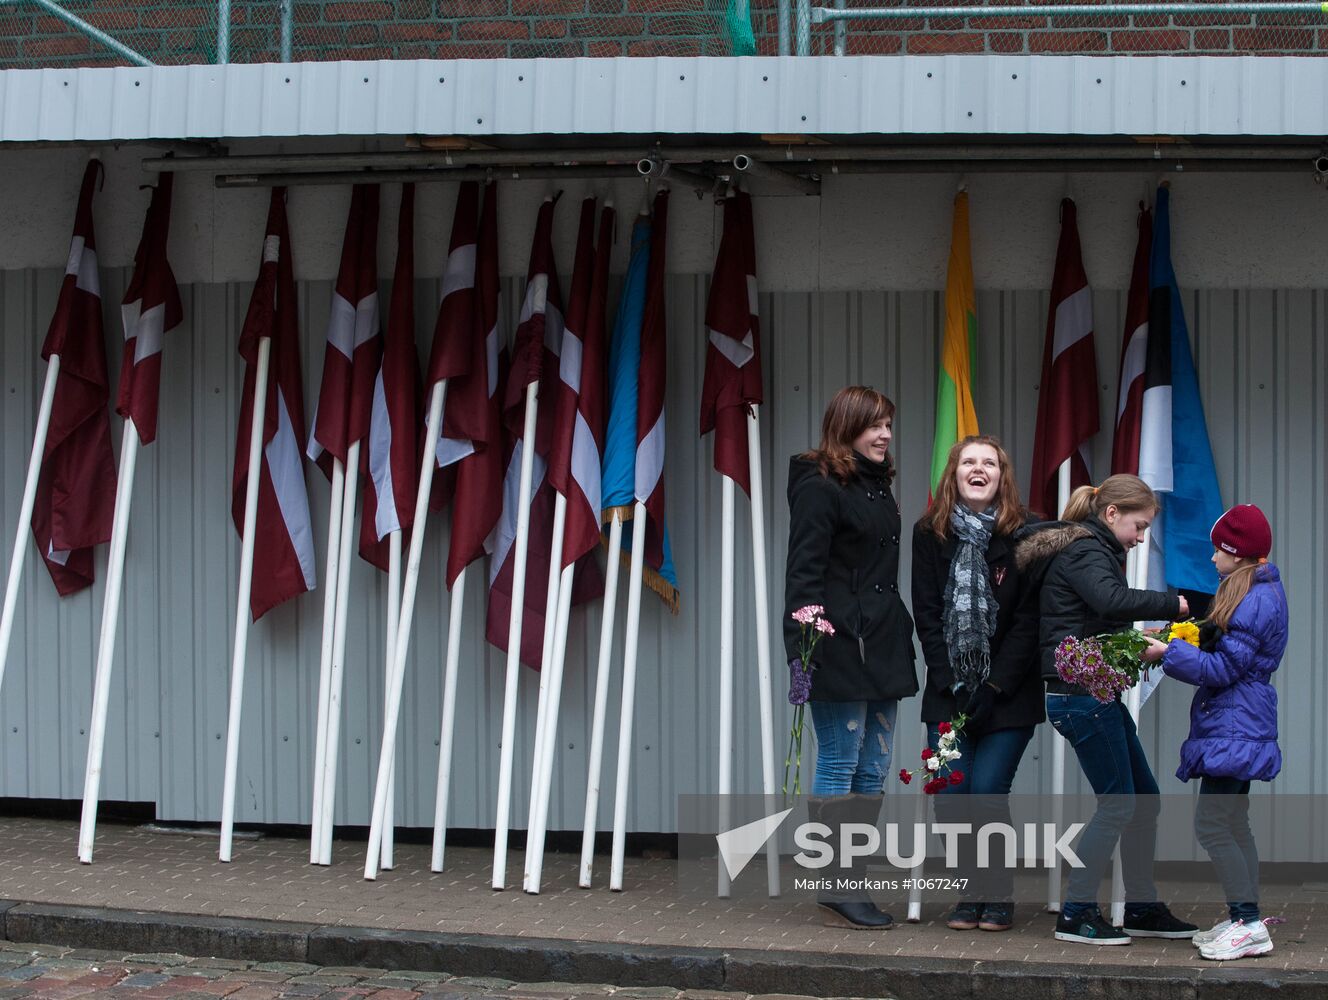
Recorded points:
(1084, 592)
(1014, 647)
(844, 554)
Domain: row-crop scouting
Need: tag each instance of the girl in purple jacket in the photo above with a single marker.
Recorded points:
(1233, 719)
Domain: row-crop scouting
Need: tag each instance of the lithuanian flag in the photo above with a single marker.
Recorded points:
(955, 416)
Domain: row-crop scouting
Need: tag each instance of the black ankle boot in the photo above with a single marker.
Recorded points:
(848, 907)
(855, 914)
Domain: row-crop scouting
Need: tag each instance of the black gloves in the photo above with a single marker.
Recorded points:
(978, 709)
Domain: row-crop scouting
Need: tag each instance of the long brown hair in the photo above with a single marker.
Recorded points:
(1231, 591)
(1009, 511)
(852, 410)
(1126, 492)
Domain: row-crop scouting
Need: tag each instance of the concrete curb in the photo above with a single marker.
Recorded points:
(543, 960)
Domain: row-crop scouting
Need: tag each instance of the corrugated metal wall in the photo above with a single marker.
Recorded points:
(1261, 359)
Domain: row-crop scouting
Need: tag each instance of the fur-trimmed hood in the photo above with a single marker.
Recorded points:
(1041, 543)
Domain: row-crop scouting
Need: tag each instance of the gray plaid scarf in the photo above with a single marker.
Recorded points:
(969, 611)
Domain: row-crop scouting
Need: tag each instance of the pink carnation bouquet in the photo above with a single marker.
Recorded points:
(814, 626)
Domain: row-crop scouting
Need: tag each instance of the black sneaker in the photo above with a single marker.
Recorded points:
(997, 917)
(1158, 922)
(965, 916)
(1089, 928)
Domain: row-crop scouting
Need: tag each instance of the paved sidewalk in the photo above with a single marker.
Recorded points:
(46, 972)
(756, 946)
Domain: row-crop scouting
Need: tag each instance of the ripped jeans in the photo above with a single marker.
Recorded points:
(854, 740)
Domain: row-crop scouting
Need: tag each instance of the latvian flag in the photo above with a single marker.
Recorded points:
(473, 417)
(75, 500)
(1135, 357)
(583, 488)
(151, 308)
(733, 354)
(283, 544)
(451, 356)
(534, 360)
(354, 344)
(394, 426)
(570, 471)
(1067, 404)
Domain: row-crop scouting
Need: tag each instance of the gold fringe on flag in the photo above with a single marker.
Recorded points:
(667, 592)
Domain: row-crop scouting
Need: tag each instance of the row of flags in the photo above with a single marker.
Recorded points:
(599, 437)
(1160, 433)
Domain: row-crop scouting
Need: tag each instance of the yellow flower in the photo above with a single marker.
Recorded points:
(1184, 631)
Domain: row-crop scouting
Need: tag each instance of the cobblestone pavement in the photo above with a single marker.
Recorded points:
(43, 972)
(270, 878)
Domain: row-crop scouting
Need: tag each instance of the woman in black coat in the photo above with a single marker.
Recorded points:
(843, 554)
(977, 621)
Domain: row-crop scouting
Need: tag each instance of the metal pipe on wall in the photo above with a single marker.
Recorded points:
(223, 32)
(287, 33)
(784, 19)
(573, 159)
(91, 30)
(819, 15)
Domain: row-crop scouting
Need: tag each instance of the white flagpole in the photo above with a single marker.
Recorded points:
(25, 508)
(761, 588)
(110, 619)
(726, 532)
(387, 862)
(594, 766)
(539, 825)
(546, 662)
(447, 734)
(241, 646)
(628, 697)
(506, 755)
(1136, 574)
(1058, 742)
(387, 751)
(919, 823)
(330, 578)
(333, 752)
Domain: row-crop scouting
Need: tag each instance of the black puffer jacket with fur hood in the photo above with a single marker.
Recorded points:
(1083, 592)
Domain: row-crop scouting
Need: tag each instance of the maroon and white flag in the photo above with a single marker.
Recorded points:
(151, 309)
(582, 533)
(75, 500)
(534, 360)
(473, 425)
(567, 388)
(394, 426)
(354, 342)
(1134, 357)
(650, 412)
(1067, 404)
(283, 542)
(733, 350)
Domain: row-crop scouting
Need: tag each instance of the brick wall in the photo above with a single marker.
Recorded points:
(185, 31)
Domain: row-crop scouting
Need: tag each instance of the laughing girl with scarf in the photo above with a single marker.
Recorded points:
(977, 621)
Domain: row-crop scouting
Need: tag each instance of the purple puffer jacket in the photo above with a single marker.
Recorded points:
(1233, 718)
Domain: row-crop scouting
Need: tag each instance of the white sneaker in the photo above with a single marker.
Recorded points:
(1240, 940)
(1210, 935)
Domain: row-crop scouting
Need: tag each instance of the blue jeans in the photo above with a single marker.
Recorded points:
(1107, 744)
(989, 764)
(1222, 825)
(854, 740)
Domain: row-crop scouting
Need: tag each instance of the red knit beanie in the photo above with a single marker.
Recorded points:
(1244, 532)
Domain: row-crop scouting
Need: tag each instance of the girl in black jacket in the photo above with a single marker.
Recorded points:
(1084, 593)
(977, 620)
(843, 554)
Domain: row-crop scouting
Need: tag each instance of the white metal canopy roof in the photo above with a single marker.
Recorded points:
(872, 95)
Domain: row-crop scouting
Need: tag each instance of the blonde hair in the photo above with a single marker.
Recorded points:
(1009, 511)
(1231, 591)
(1123, 491)
(852, 410)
